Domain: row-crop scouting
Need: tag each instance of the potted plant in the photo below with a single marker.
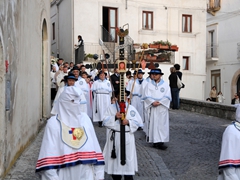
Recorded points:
(155, 45)
(174, 47)
(164, 45)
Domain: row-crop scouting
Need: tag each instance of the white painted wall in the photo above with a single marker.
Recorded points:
(167, 25)
(227, 27)
(21, 41)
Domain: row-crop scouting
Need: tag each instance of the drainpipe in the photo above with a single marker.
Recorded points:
(73, 53)
(57, 4)
(167, 20)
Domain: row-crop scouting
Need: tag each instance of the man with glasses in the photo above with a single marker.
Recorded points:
(157, 98)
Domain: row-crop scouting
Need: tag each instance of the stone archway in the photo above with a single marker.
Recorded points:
(45, 71)
(238, 85)
(235, 82)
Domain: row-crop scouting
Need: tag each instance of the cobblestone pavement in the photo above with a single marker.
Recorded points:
(193, 151)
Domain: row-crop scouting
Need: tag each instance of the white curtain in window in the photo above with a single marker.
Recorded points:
(112, 18)
(184, 63)
(144, 20)
(213, 81)
(189, 24)
(149, 21)
(183, 23)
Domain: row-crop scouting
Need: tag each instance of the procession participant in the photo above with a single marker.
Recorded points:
(66, 64)
(53, 82)
(60, 70)
(229, 168)
(84, 75)
(70, 149)
(112, 147)
(82, 85)
(61, 75)
(58, 64)
(82, 68)
(128, 76)
(90, 98)
(136, 96)
(69, 80)
(94, 73)
(145, 116)
(102, 92)
(71, 65)
(157, 98)
(60, 61)
(115, 81)
(88, 94)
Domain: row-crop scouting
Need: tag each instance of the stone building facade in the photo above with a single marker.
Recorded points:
(180, 22)
(223, 48)
(24, 75)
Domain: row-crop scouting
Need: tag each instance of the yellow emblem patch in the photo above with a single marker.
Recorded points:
(73, 137)
(78, 133)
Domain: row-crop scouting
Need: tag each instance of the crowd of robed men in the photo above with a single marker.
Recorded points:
(70, 149)
(95, 99)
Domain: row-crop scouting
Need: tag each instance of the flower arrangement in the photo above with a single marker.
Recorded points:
(53, 60)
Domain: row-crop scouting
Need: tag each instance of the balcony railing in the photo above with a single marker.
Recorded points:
(212, 51)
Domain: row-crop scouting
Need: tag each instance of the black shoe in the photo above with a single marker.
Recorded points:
(155, 145)
(99, 123)
(162, 146)
(139, 129)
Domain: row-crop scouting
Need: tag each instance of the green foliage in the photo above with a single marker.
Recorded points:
(86, 56)
(164, 43)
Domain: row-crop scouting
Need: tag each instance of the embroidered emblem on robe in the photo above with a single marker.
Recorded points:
(81, 83)
(162, 89)
(73, 137)
(132, 113)
(108, 84)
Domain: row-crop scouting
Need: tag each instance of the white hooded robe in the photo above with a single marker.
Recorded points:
(158, 117)
(113, 166)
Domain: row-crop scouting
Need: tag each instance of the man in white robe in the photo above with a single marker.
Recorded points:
(157, 97)
(70, 149)
(132, 122)
(60, 90)
(83, 86)
(229, 163)
(102, 92)
(136, 96)
(89, 97)
(145, 116)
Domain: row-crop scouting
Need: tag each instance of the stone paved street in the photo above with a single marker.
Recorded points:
(193, 151)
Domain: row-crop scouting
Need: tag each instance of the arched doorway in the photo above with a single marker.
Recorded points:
(238, 84)
(45, 72)
(235, 83)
